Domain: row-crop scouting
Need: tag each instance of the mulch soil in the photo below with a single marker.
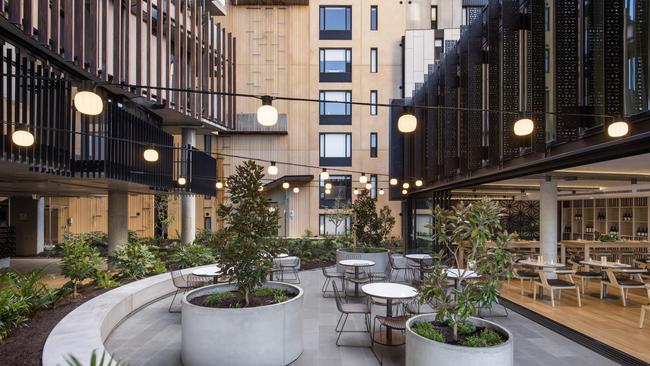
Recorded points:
(307, 265)
(25, 345)
(237, 300)
(448, 333)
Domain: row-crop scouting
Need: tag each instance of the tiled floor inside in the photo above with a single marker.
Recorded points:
(152, 336)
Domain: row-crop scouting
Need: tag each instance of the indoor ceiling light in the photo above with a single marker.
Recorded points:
(618, 128)
(407, 122)
(150, 155)
(393, 181)
(285, 185)
(524, 127)
(418, 183)
(363, 179)
(267, 115)
(182, 181)
(406, 185)
(273, 169)
(22, 138)
(324, 175)
(219, 185)
(88, 102)
(296, 189)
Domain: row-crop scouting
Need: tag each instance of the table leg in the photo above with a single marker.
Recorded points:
(389, 313)
(587, 255)
(563, 253)
(422, 270)
(356, 283)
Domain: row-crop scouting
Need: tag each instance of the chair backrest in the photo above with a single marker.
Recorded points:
(337, 296)
(177, 278)
(290, 262)
(611, 277)
(391, 260)
(639, 264)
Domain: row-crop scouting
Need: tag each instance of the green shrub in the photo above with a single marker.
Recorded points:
(264, 291)
(485, 338)
(12, 312)
(218, 297)
(31, 289)
(427, 330)
(96, 239)
(466, 328)
(104, 279)
(80, 260)
(191, 255)
(134, 260)
(280, 296)
(103, 361)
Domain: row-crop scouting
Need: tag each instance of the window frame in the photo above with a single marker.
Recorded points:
(322, 222)
(334, 119)
(373, 102)
(373, 188)
(374, 17)
(338, 76)
(373, 144)
(325, 160)
(346, 199)
(434, 10)
(374, 60)
(335, 34)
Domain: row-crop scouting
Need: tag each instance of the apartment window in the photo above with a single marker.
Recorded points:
(207, 144)
(335, 64)
(207, 223)
(434, 17)
(547, 60)
(335, 149)
(373, 186)
(373, 102)
(547, 19)
(373, 17)
(373, 144)
(335, 22)
(340, 194)
(373, 60)
(333, 225)
(334, 107)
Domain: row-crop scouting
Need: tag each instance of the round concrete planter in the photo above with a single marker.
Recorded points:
(266, 335)
(380, 259)
(421, 351)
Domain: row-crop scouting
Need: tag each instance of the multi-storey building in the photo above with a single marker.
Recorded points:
(332, 51)
(139, 56)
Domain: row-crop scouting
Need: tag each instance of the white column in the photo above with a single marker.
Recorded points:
(40, 225)
(548, 219)
(118, 219)
(188, 202)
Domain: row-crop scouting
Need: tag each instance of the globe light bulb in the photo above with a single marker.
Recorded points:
(285, 185)
(150, 155)
(324, 175)
(368, 186)
(328, 191)
(296, 189)
(267, 115)
(618, 129)
(406, 185)
(22, 138)
(407, 123)
(356, 191)
(182, 181)
(381, 191)
(393, 181)
(404, 191)
(88, 102)
(328, 185)
(363, 179)
(273, 169)
(418, 183)
(524, 127)
(219, 185)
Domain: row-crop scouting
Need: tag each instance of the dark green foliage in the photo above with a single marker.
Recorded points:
(134, 260)
(80, 260)
(369, 227)
(485, 338)
(191, 255)
(251, 229)
(12, 312)
(466, 328)
(105, 360)
(218, 297)
(96, 239)
(427, 330)
(311, 249)
(104, 279)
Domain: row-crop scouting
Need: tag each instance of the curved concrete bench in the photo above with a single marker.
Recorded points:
(86, 328)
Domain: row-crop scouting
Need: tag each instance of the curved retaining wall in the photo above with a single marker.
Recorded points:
(86, 328)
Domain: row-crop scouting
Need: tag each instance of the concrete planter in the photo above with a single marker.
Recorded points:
(421, 351)
(265, 335)
(380, 259)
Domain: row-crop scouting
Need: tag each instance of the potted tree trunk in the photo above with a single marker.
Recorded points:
(249, 321)
(452, 336)
(370, 229)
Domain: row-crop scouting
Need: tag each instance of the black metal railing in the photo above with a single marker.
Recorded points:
(7, 241)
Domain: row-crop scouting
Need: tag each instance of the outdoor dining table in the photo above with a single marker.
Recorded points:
(357, 264)
(605, 264)
(211, 271)
(422, 260)
(460, 274)
(389, 291)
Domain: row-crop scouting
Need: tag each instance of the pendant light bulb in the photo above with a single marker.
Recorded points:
(324, 175)
(273, 169)
(219, 185)
(22, 138)
(618, 128)
(285, 185)
(393, 181)
(267, 114)
(88, 102)
(363, 179)
(524, 127)
(150, 155)
(418, 183)
(296, 189)
(182, 181)
(407, 122)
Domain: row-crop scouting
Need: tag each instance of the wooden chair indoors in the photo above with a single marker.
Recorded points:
(584, 274)
(623, 285)
(644, 308)
(524, 274)
(553, 284)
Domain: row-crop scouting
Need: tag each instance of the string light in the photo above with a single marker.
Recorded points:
(381, 191)
(418, 183)
(182, 181)
(393, 181)
(150, 155)
(328, 191)
(285, 185)
(273, 169)
(406, 185)
(404, 191)
(407, 122)
(88, 102)
(363, 179)
(22, 138)
(328, 185)
(219, 185)
(324, 175)
(618, 128)
(356, 191)
(267, 115)
(368, 186)
(524, 127)
(296, 189)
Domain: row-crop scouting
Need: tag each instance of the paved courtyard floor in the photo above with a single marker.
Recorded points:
(152, 336)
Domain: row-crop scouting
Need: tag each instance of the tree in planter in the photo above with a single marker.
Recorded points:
(476, 229)
(369, 228)
(80, 260)
(251, 228)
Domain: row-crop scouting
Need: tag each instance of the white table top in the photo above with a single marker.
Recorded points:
(534, 263)
(356, 263)
(389, 290)
(282, 255)
(606, 264)
(418, 257)
(207, 271)
(458, 272)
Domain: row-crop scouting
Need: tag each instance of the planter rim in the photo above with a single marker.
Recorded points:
(185, 301)
(428, 317)
(379, 251)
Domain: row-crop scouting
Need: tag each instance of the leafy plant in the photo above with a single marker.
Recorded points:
(427, 330)
(134, 260)
(80, 261)
(609, 237)
(251, 229)
(218, 297)
(103, 361)
(12, 312)
(466, 328)
(191, 255)
(485, 338)
(370, 228)
(476, 229)
(104, 279)
(30, 288)
(280, 296)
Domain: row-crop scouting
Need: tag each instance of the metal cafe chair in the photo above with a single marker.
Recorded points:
(331, 276)
(347, 309)
(184, 284)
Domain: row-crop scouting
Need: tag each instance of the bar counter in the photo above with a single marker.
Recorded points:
(638, 247)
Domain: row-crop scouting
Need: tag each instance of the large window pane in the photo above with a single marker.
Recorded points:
(373, 17)
(333, 225)
(340, 195)
(335, 149)
(332, 106)
(373, 60)
(335, 60)
(335, 18)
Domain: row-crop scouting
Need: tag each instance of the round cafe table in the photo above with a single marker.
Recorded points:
(389, 291)
(457, 273)
(357, 264)
(422, 260)
(211, 271)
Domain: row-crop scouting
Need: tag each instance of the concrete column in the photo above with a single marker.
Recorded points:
(118, 219)
(188, 202)
(28, 217)
(548, 219)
